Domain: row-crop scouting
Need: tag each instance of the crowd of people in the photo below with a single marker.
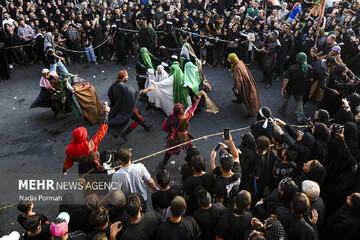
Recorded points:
(278, 183)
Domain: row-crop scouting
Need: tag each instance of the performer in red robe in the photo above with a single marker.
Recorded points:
(177, 126)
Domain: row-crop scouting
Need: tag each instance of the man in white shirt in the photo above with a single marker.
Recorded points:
(283, 11)
(9, 20)
(131, 178)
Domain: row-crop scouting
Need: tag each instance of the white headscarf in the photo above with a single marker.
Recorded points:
(185, 51)
(162, 76)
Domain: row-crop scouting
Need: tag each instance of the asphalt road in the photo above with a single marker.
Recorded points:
(33, 142)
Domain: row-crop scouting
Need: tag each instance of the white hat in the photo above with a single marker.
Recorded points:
(12, 236)
(65, 216)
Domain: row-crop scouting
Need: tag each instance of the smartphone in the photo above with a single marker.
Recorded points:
(226, 134)
(217, 147)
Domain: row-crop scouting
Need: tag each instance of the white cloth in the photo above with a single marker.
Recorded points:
(185, 51)
(131, 179)
(163, 96)
(162, 76)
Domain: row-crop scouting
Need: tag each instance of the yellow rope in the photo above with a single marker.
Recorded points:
(148, 156)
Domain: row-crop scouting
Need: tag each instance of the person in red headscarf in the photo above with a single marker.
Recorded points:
(122, 103)
(177, 126)
(83, 150)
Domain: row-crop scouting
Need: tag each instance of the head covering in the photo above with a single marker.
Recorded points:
(12, 236)
(79, 145)
(48, 43)
(163, 75)
(58, 230)
(234, 59)
(44, 82)
(188, 50)
(275, 231)
(307, 139)
(275, 33)
(336, 49)
(63, 75)
(302, 59)
(265, 113)
(178, 110)
(146, 57)
(180, 92)
(317, 173)
(331, 60)
(193, 151)
(323, 117)
(351, 136)
(122, 74)
(65, 216)
(248, 141)
(192, 77)
(339, 70)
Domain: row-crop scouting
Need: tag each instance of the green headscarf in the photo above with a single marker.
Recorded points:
(302, 59)
(75, 110)
(180, 92)
(192, 77)
(171, 72)
(146, 57)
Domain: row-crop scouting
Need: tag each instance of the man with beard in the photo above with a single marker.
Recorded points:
(269, 61)
(147, 36)
(122, 102)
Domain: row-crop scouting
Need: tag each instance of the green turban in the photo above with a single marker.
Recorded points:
(302, 59)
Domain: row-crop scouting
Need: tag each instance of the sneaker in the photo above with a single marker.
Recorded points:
(11, 66)
(268, 86)
(277, 78)
(204, 62)
(95, 63)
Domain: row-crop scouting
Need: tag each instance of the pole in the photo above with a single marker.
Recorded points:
(265, 22)
(322, 7)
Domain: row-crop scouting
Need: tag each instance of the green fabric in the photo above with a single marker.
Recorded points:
(171, 72)
(182, 62)
(146, 57)
(192, 77)
(302, 59)
(75, 110)
(180, 92)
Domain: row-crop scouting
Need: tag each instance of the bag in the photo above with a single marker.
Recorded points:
(316, 93)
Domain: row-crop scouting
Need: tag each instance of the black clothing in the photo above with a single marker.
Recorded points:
(227, 188)
(298, 84)
(344, 224)
(43, 235)
(75, 211)
(248, 157)
(207, 219)
(295, 226)
(233, 224)
(118, 214)
(303, 147)
(145, 228)
(4, 66)
(186, 229)
(319, 206)
(257, 129)
(106, 231)
(21, 219)
(162, 199)
(207, 181)
(287, 44)
(122, 102)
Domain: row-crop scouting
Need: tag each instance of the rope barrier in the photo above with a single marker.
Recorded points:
(25, 45)
(146, 157)
(70, 50)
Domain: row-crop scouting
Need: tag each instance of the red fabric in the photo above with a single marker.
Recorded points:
(167, 126)
(122, 74)
(80, 144)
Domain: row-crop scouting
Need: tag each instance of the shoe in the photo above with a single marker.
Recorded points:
(268, 86)
(277, 79)
(69, 63)
(236, 101)
(146, 126)
(281, 112)
(305, 107)
(11, 66)
(87, 65)
(263, 81)
(204, 62)
(95, 63)
(162, 166)
(125, 133)
(55, 114)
